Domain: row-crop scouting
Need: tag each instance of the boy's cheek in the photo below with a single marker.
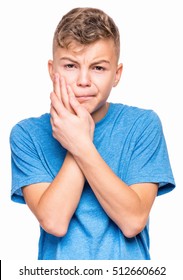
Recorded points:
(69, 78)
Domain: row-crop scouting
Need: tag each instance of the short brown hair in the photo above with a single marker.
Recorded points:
(85, 26)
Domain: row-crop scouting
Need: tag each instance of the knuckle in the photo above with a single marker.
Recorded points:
(55, 123)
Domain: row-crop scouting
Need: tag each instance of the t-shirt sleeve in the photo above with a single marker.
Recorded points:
(150, 160)
(26, 165)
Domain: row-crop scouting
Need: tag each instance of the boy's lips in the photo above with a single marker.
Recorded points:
(82, 98)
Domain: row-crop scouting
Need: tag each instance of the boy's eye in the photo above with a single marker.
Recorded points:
(99, 68)
(69, 66)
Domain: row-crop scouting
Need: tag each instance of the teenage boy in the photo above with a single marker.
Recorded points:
(90, 170)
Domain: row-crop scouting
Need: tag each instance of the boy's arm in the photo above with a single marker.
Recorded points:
(54, 204)
(128, 207)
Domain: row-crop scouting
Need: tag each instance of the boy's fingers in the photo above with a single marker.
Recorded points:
(53, 114)
(56, 85)
(64, 94)
(60, 88)
(57, 105)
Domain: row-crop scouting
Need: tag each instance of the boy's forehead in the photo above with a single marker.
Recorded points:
(99, 48)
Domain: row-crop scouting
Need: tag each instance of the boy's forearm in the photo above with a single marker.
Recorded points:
(119, 201)
(60, 200)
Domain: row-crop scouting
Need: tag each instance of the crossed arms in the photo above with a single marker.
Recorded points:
(55, 203)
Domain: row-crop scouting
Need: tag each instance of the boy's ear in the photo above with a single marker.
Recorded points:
(118, 74)
(50, 69)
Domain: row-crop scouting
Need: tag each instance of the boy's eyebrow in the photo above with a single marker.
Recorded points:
(68, 58)
(101, 61)
(93, 63)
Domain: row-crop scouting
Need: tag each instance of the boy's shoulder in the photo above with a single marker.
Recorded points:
(128, 118)
(31, 125)
(133, 112)
(32, 121)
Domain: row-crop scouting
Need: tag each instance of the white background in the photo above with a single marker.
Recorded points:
(151, 51)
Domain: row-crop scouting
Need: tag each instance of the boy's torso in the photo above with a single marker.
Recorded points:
(91, 233)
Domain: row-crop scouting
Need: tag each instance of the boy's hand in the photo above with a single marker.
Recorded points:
(72, 124)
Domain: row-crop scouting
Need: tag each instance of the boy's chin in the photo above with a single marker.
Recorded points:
(87, 107)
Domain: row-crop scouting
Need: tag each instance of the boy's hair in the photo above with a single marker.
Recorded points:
(85, 26)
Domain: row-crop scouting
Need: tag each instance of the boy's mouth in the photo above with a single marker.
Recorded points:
(83, 98)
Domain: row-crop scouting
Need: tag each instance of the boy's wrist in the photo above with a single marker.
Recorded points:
(83, 151)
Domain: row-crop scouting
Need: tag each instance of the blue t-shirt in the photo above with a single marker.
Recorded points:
(131, 142)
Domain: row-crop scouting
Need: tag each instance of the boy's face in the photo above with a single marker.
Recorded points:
(91, 71)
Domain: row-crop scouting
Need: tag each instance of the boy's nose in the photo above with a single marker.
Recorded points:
(83, 79)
